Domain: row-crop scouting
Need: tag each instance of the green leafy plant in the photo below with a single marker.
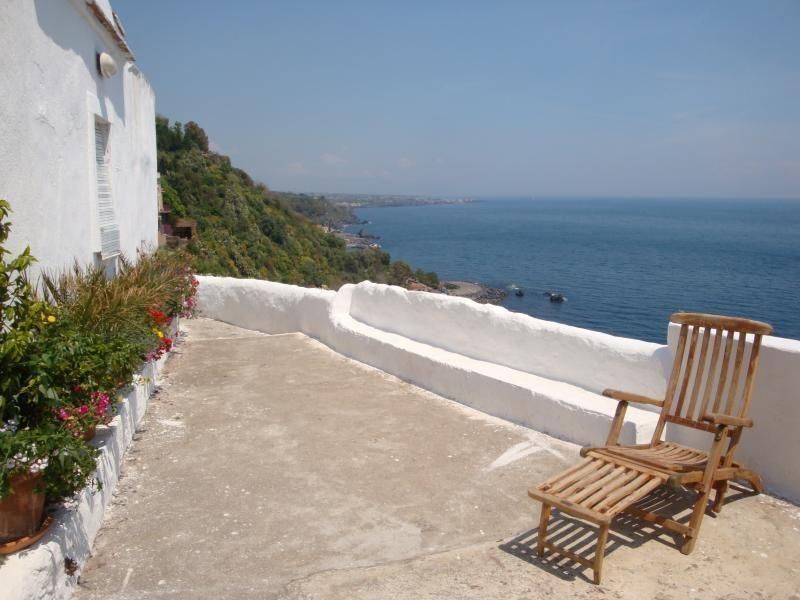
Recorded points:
(23, 315)
(65, 460)
(63, 356)
(66, 363)
(30, 439)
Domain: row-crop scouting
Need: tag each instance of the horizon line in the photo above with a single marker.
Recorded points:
(538, 196)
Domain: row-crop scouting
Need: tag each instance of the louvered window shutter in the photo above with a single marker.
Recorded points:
(107, 218)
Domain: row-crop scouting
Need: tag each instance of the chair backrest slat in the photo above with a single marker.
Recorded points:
(737, 371)
(701, 364)
(673, 379)
(723, 375)
(687, 371)
(712, 369)
(727, 382)
(752, 367)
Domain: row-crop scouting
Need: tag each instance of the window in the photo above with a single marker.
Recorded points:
(106, 215)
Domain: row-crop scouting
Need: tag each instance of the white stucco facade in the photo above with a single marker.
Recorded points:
(51, 96)
(540, 374)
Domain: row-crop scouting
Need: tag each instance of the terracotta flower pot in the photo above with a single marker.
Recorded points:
(21, 511)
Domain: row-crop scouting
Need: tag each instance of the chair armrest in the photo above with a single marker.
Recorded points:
(628, 397)
(728, 420)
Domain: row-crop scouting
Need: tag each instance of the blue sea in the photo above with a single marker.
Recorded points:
(624, 265)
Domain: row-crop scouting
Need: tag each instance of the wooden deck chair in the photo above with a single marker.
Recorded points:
(709, 389)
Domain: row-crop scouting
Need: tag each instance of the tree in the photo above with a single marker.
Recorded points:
(194, 136)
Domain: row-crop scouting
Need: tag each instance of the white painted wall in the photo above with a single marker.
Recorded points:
(588, 359)
(49, 97)
(511, 365)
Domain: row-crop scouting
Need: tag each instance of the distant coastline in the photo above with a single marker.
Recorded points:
(346, 204)
(362, 238)
(354, 201)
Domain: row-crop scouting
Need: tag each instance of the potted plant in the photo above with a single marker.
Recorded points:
(22, 491)
(62, 358)
(37, 463)
(38, 457)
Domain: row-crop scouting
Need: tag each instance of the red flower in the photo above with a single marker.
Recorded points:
(159, 318)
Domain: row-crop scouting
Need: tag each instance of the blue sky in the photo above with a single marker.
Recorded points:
(587, 98)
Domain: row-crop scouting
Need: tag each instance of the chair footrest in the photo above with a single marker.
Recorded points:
(598, 488)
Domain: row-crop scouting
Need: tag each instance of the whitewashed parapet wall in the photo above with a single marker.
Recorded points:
(588, 359)
(544, 375)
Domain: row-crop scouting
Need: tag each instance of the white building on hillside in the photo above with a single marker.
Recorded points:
(77, 134)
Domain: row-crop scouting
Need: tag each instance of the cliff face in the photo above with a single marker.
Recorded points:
(246, 230)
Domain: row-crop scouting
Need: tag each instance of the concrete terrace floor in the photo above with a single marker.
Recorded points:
(272, 467)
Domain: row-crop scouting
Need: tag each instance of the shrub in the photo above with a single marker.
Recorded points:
(169, 275)
(63, 356)
(428, 278)
(93, 302)
(65, 460)
(21, 318)
(30, 438)
(67, 363)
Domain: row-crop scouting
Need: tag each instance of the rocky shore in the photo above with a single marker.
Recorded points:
(474, 291)
(358, 240)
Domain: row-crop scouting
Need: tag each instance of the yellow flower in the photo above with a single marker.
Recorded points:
(51, 319)
(158, 332)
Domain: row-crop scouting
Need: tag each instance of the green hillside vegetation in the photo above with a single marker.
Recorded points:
(320, 210)
(247, 230)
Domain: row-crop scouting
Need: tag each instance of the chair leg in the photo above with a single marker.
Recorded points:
(754, 479)
(694, 523)
(543, 518)
(721, 488)
(599, 553)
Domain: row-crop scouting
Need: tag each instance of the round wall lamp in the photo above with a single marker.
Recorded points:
(106, 65)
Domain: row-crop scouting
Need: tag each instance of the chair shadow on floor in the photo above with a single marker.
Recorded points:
(581, 538)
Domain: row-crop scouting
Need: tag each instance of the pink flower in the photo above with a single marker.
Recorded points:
(83, 409)
(63, 414)
(100, 397)
(101, 403)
